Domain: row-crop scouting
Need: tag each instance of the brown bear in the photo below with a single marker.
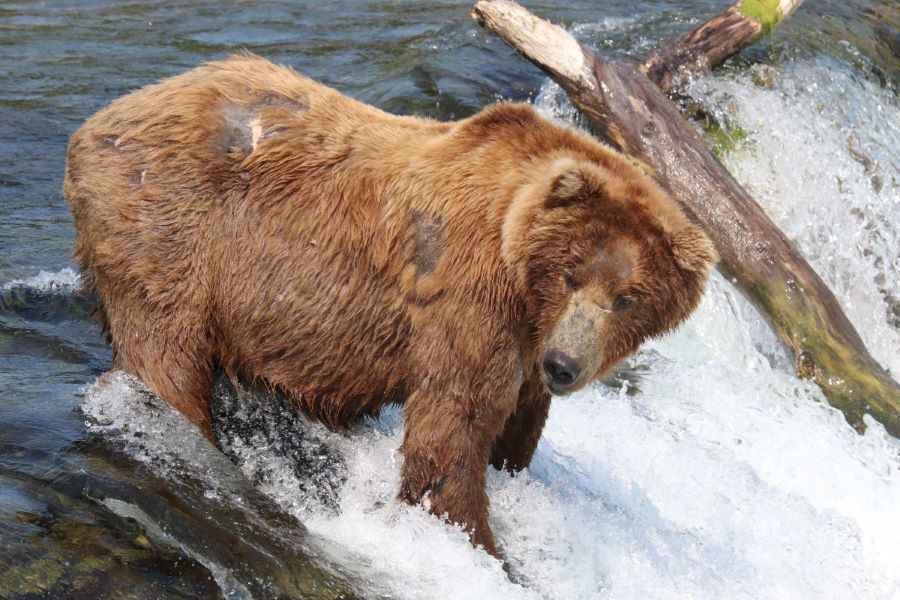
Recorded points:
(243, 216)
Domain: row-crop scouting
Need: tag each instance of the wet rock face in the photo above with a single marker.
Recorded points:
(247, 419)
(59, 546)
(147, 466)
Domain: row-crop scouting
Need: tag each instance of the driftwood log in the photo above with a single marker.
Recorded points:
(633, 113)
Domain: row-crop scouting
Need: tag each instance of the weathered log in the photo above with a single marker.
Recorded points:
(634, 114)
(723, 36)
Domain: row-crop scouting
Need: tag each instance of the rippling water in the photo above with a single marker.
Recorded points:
(709, 472)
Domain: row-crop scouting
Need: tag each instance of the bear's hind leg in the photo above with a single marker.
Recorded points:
(174, 362)
(188, 391)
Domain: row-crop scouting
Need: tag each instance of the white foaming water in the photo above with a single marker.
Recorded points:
(121, 407)
(723, 476)
(822, 159)
(64, 280)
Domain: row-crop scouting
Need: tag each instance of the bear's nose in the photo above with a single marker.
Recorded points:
(561, 368)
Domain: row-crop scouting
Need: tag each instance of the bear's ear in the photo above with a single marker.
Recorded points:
(693, 250)
(571, 182)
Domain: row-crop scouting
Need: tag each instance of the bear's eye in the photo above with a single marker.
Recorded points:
(621, 303)
(571, 282)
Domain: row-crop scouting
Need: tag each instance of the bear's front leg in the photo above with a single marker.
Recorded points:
(515, 446)
(447, 445)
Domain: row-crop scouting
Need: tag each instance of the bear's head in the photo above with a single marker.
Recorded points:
(606, 260)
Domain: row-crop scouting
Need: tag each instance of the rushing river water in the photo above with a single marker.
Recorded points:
(706, 471)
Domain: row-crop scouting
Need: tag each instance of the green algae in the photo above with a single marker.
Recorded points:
(722, 139)
(764, 12)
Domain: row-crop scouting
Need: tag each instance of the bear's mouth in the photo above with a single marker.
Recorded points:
(560, 390)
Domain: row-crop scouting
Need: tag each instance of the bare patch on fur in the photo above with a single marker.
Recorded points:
(615, 263)
(297, 104)
(138, 177)
(430, 241)
(236, 135)
(243, 130)
(112, 141)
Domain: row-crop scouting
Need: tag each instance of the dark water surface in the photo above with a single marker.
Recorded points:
(80, 518)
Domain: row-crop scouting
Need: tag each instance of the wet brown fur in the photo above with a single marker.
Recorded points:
(244, 216)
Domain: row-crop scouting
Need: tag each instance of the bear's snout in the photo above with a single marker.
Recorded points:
(562, 370)
(575, 346)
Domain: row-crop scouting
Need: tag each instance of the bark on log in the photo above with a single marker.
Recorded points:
(723, 36)
(634, 114)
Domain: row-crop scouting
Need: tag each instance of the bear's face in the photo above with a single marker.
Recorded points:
(607, 261)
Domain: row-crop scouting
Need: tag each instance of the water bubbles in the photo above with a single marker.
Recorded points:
(64, 280)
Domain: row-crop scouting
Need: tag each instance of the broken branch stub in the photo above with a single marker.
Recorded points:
(723, 36)
(632, 112)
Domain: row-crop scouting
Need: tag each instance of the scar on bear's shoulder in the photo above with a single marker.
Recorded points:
(429, 241)
(242, 126)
